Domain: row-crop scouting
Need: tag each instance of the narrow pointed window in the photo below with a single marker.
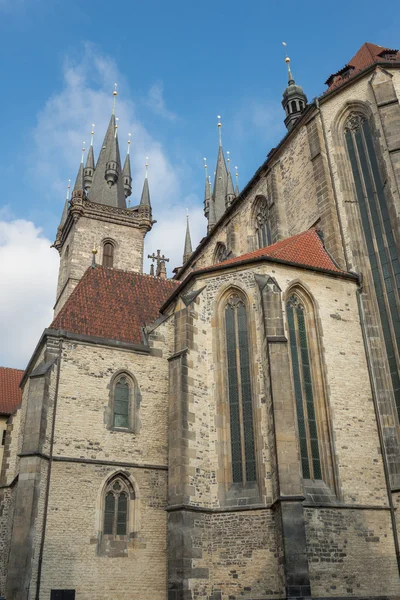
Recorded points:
(121, 403)
(108, 254)
(116, 507)
(303, 389)
(239, 392)
(379, 237)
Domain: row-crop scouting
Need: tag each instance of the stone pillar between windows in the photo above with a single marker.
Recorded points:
(329, 221)
(289, 496)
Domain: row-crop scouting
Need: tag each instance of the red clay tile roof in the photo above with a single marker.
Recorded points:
(10, 392)
(304, 249)
(113, 304)
(367, 55)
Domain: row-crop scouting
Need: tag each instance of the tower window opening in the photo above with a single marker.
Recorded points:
(108, 255)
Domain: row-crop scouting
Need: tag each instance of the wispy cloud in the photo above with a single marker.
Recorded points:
(156, 102)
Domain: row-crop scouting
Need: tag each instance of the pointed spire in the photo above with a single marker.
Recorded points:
(221, 179)
(66, 205)
(89, 168)
(188, 242)
(237, 182)
(145, 198)
(207, 192)
(79, 182)
(108, 186)
(126, 173)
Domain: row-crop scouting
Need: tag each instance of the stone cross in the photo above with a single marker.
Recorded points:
(160, 261)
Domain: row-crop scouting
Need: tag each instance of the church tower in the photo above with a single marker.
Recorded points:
(97, 217)
(294, 99)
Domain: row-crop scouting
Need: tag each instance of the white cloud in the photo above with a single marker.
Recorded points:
(28, 272)
(157, 103)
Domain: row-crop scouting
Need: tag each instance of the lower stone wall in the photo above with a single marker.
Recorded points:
(234, 556)
(73, 557)
(7, 501)
(351, 553)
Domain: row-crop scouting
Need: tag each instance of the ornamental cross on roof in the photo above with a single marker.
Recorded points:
(160, 261)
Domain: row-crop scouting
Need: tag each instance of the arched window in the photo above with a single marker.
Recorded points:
(379, 237)
(122, 410)
(221, 252)
(108, 254)
(262, 223)
(116, 507)
(239, 391)
(304, 389)
(294, 107)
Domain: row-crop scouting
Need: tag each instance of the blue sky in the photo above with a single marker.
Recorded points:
(178, 65)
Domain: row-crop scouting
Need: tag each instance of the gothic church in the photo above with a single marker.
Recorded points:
(233, 432)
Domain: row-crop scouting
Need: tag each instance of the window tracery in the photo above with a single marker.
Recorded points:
(239, 391)
(116, 508)
(379, 236)
(221, 253)
(262, 223)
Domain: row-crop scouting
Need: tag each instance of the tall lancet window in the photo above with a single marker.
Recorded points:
(379, 238)
(239, 391)
(116, 507)
(303, 389)
(262, 223)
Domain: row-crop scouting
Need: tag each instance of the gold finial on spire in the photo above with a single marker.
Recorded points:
(116, 126)
(92, 135)
(287, 61)
(229, 161)
(236, 173)
(147, 165)
(83, 150)
(129, 142)
(219, 129)
(94, 252)
(187, 214)
(115, 94)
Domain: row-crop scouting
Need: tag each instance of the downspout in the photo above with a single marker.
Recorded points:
(379, 426)
(332, 183)
(46, 499)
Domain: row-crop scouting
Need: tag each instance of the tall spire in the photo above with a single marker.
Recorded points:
(108, 186)
(188, 242)
(294, 99)
(145, 198)
(221, 178)
(126, 173)
(89, 168)
(207, 192)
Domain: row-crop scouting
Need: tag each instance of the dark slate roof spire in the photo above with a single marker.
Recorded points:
(126, 173)
(89, 168)
(108, 186)
(221, 179)
(294, 99)
(188, 242)
(145, 198)
(79, 182)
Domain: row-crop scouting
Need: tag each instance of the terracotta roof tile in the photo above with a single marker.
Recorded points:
(10, 392)
(367, 55)
(113, 304)
(304, 249)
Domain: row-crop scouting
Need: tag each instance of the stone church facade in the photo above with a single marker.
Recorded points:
(232, 432)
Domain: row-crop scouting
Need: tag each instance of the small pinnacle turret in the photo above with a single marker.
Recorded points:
(89, 168)
(66, 206)
(126, 173)
(207, 192)
(294, 99)
(145, 198)
(79, 182)
(230, 192)
(220, 180)
(237, 183)
(188, 243)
